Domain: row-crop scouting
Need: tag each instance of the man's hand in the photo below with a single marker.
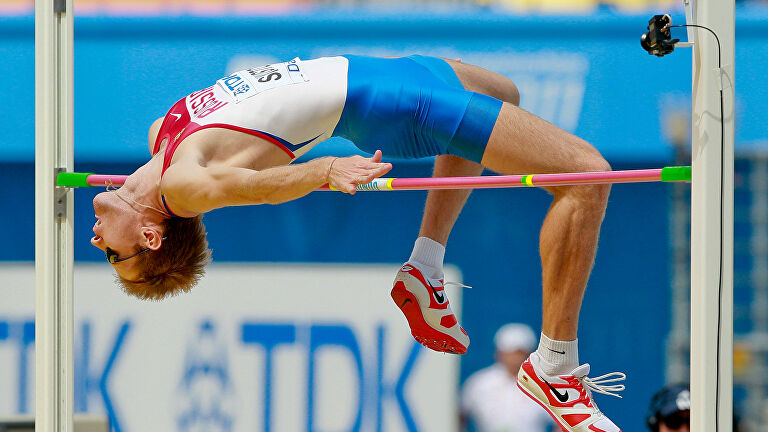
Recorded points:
(346, 173)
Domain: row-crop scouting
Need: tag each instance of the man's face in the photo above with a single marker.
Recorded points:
(512, 360)
(678, 422)
(118, 227)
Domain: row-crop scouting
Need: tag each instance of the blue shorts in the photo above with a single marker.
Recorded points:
(414, 107)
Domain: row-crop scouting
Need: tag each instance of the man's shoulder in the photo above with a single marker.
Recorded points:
(179, 180)
(179, 173)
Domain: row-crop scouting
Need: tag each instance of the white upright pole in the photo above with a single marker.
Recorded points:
(54, 394)
(712, 219)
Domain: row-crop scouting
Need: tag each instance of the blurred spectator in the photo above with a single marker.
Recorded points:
(490, 397)
(670, 409)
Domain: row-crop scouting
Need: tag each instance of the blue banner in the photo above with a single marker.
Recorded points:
(586, 74)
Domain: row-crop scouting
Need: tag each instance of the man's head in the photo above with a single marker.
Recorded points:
(670, 409)
(514, 343)
(154, 256)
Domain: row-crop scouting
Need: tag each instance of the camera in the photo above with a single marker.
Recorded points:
(658, 41)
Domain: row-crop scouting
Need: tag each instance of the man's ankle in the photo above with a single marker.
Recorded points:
(558, 357)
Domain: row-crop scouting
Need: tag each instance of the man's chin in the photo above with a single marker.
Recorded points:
(127, 271)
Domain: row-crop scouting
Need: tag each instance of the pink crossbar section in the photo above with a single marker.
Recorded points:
(105, 180)
(507, 181)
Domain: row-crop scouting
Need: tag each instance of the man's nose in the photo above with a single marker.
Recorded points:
(98, 244)
(98, 200)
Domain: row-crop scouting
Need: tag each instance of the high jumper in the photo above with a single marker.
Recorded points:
(233, 143)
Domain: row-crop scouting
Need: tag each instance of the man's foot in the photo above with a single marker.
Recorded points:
(425, 305)
(568, 398)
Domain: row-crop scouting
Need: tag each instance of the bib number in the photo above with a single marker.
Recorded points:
(250, 82)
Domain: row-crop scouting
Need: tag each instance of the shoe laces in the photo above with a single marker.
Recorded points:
(601, 384)
(458, 284)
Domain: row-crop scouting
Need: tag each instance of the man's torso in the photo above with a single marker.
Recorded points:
(408, 107)
(258, 117)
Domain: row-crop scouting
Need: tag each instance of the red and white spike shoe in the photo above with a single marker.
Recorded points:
(568, 398)
(425, 305)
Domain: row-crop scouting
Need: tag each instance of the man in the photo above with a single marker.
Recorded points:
(670, 409)
(231, 144)
(491, 398)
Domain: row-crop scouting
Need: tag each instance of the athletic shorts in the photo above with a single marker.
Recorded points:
(414, 107)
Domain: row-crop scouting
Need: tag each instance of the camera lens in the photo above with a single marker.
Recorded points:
(645, 43)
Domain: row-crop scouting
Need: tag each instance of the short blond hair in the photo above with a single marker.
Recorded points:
(174, 268)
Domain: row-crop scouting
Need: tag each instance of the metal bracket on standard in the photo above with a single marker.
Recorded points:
(59, 196)
(59, 6)
(719, 76)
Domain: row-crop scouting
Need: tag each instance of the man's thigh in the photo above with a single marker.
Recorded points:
(521, 142)
(476, 79)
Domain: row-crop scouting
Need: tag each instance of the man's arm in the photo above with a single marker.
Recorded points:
(199, 189)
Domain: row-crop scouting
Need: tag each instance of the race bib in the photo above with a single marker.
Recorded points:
(250, 82)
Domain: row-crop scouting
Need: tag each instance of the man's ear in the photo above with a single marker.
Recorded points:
(152, 238)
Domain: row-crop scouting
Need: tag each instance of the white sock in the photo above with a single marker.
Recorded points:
(558, 357)
(428, 255)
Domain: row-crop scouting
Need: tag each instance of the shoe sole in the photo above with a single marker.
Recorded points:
(420, 329)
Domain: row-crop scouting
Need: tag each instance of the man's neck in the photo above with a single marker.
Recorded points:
(143, 186)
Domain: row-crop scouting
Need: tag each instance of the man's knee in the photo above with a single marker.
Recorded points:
(595, 195)
(597, 164)
(600, 191)
(503, 89)
(510, 93)
(591, 198)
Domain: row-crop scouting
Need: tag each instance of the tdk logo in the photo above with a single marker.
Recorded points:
(242, 89)
(234, 82)
(211, 383)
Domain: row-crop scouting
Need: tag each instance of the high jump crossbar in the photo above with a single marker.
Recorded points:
(666, 174)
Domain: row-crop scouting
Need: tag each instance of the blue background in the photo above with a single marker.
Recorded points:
(129, 71)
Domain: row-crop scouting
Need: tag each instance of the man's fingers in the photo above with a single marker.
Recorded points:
(379, 171)
(378, 167)
(383, 169)
(357, 170)
(376, 156)
(374, 173)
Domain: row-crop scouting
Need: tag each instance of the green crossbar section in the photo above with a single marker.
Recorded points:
(67, 179)
(675, 174)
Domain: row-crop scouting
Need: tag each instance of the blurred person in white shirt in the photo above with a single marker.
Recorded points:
(490, 397)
